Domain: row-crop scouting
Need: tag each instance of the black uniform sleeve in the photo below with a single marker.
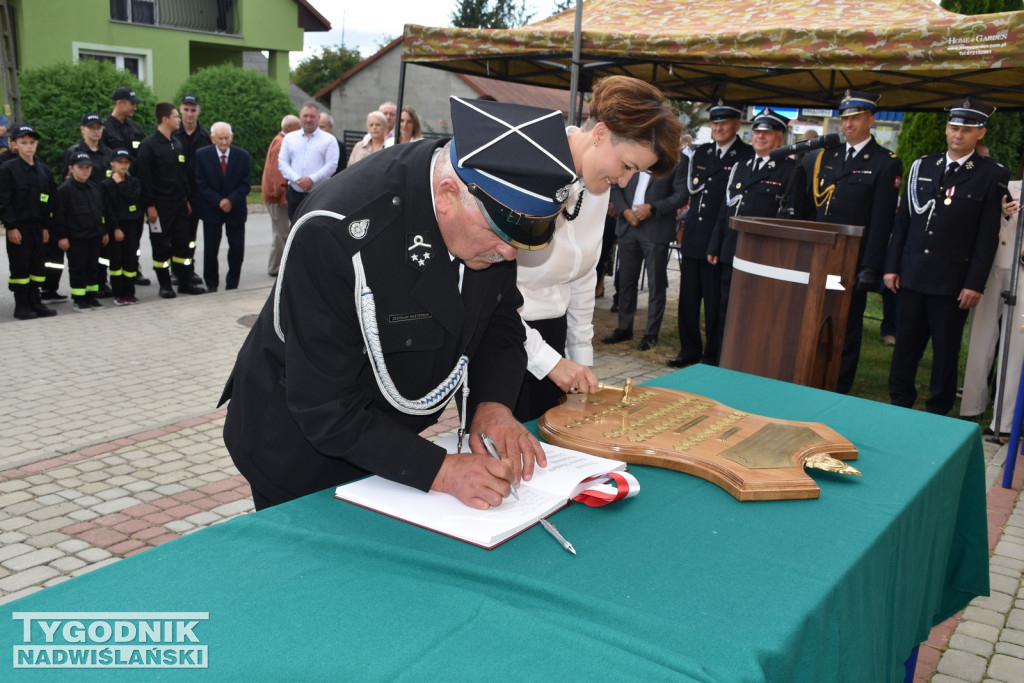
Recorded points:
(987, 240)
(883, 212)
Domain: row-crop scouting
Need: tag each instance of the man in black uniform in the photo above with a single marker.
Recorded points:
(423, 238)
(26, 190)
(161, 170)
(698, 279)
(192, 136)
(121, 132)
(858, 184)
(99, 155)
(943, 243)
(761, 187)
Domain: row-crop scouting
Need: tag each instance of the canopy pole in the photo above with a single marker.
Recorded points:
(574, 82)
(398, 107)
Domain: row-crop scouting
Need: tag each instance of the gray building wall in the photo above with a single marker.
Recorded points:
(426, 91)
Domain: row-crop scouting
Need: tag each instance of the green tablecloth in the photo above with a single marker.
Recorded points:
(681, 582)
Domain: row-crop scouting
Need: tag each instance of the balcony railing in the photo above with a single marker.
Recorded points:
(215, 16)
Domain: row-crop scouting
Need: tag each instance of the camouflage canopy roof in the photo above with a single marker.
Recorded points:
(774, 52)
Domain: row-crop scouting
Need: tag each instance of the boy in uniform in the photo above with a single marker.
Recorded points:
(82, 230)
(123, 194)
(25, 188)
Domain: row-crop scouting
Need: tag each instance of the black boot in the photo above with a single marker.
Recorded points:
(163, 276)
(22, 309)
(185, 284)
(36, 304)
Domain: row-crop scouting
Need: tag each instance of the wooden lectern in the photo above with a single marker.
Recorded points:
(790, 297)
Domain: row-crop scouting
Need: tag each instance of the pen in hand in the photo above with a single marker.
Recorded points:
(492, 449)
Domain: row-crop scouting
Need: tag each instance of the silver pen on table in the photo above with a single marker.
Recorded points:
(550, 528)
(492, 449)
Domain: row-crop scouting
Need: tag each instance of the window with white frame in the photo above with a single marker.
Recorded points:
(137, 62)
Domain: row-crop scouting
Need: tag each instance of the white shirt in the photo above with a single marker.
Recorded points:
(303, 155)
(561, 279)
(642, 181)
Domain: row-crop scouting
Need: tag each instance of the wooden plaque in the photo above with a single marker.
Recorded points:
(751, 456)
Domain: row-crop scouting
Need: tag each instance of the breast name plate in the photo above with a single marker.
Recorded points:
(751, 456)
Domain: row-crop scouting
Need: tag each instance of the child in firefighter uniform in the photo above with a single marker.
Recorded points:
(82, 228)
(123, 194)
(26, 186)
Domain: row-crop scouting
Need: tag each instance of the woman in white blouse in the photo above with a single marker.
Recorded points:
(377, 127)
(631, 128)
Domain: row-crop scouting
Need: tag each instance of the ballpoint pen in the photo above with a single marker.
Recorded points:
(550, 528)
(492, 449)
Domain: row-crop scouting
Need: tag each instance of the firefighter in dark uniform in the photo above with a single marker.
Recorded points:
(26, 210)
(121, 132)
(324, 392)
(858, 184)
(700, 280)
(192, 136)
(99, 154)
(943, 244)
(761, 187)
(83, 224)
(161, 170)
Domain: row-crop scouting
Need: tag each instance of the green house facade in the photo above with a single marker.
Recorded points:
(162, 41)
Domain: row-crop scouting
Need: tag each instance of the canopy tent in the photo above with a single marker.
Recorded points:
(775, 52)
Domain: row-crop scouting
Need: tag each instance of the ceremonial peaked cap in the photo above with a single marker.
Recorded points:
(968, 112)
(516, 161)
(854, 102)
(767, 119)
(722, 110)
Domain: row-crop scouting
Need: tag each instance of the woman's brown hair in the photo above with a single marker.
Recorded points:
(638, 112)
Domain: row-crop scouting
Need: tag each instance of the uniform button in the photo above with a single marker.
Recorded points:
(499, 297)
(926, 251)
(396, 201)
(408, 342)
(930, 232)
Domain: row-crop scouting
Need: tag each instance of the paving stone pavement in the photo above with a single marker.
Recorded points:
(111, 444)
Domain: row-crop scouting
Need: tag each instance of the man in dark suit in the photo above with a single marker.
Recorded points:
(858, 184)
(943, 243)
(399, 283)
(761, 187)
(646, 226)
(223, 176)
(699, 280)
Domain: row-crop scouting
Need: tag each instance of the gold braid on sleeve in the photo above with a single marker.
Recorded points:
(822, 197)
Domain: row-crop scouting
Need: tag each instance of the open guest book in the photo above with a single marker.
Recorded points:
(568, 474)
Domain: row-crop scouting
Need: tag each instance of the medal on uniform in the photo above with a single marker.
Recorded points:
(949, 196)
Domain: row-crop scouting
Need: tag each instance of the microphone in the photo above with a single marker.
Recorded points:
(826, 141)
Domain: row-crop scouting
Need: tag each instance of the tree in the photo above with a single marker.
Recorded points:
(314, 73)
(55, 97)
(924, 133)
(249, 101)
(490, 14)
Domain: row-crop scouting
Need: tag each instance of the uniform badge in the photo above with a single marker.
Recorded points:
(969, 165)
(419, 251)
(562, 194)
(358, 229)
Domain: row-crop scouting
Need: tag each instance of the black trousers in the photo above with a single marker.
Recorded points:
(699, 281)
(211, 251)
(54, 264)
(171, 246)
(124, 255)
(294, 198)
(537, 396)
(924, 316)
(83, 265)
(851, 342)
(26, 259)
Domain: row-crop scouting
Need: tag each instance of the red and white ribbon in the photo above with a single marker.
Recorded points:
(626, 486)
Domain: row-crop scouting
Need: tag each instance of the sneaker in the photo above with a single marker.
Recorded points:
(94, 303)
(53, 297)
(81, 306)
(121, 301)
(131, 299)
